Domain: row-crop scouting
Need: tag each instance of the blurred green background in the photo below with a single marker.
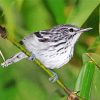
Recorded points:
(27, 81)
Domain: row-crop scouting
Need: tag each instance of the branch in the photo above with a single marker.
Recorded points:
(71, 95)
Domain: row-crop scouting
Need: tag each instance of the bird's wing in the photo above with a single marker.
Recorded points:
(43, 36)
(49, 36)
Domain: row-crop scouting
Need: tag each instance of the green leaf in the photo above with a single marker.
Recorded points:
(95, 58)
(85, 79)
(82, 11)
(95, 90)
(57, 9)
(34, 15)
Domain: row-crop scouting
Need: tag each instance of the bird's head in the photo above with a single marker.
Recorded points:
(73, 32)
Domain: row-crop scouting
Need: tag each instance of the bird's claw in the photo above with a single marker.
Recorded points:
(54, 78)
(32, 57)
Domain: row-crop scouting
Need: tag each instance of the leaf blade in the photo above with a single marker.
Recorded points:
(81, 12)
(84, 80)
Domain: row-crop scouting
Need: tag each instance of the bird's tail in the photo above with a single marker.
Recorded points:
(17, 57)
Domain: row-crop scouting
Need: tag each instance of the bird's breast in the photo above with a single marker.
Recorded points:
(55, 59)
(50, 54)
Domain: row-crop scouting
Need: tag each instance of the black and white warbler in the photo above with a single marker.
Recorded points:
(53, 47)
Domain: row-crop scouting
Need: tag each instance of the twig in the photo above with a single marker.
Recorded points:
(16, 43)
(93, 60)
(2, 55)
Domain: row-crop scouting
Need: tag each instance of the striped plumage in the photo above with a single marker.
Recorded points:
(53, 47)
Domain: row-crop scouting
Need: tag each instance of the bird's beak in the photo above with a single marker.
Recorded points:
(86, 29)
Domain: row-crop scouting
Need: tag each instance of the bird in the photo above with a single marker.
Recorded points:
(52, 47)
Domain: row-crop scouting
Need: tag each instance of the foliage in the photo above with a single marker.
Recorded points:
(25, 80)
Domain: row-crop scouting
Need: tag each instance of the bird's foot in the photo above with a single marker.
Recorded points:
(32, 57)
(54, 78)
(76, 92)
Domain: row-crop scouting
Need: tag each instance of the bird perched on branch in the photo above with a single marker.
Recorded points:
(53, 47)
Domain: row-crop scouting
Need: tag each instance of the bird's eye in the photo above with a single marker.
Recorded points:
(71, 30)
